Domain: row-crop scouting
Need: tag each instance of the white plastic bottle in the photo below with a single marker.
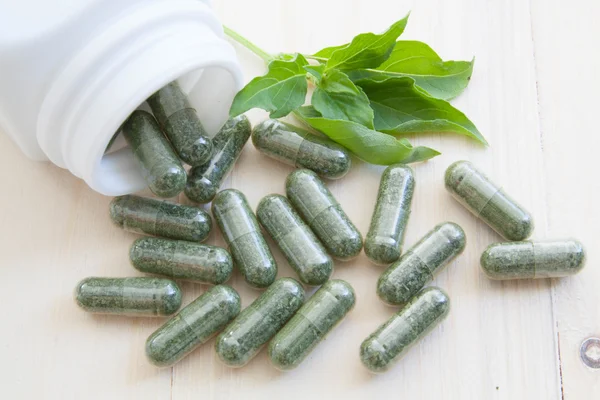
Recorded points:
(71, 71)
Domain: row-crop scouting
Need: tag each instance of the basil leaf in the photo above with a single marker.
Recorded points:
(280, 91)
(371, 146)
(419, 153)
(286, 56)
(328, 51)
(442, 79)
(336, 97)
(366, 50)
(315, 70)
(401, 107)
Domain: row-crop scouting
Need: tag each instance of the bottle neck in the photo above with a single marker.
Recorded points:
(148, 47)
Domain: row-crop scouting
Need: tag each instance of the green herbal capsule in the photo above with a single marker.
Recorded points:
(160, 218)
(299, 148)
(193, 326)
(160, 166)
(204, 180)
(180, 122)
(242, 233)
(487, 201)
(392, 340)
(403, 279)
(383, 244)
(181, 260)
(298, 243)
(259, 322)
(128, 296)
(321, 211)
(315, 319)
(522, 260)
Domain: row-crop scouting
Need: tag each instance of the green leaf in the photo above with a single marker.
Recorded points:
(315, 70)
(328, 51)
(336, 97)
(366, 50)
(441, 79)
(286, 56)
(367, 144)
(280, 91)
(401, 107)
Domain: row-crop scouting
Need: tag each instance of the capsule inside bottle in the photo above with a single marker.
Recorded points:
(180, 122)
(159, 164)
(205, 180)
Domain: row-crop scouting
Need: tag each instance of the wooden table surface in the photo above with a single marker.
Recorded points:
(533, 94)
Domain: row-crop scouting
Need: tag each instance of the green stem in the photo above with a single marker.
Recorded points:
(299, 117)
(311, 79)
(248, 44)
(322, 59)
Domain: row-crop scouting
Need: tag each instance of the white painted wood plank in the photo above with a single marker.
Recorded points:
(500, 333)
(567, 63)
(56, 231)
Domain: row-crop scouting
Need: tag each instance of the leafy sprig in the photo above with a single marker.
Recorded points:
(365, 91)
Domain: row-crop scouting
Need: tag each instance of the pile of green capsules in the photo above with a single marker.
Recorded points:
(310, 228)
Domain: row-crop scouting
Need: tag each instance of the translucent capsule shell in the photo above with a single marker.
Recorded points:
(136, 296)
(487, 201)
(205, 180)
(321, 211)
(180, 123)
(391, 340)
(181, 260)
(241, 231)
(404, 278)
(523, 260)
(259, 322)
(159, 164)
(309, 326)
(160, 218)
(300, 148)
(383, 244)
(303, 251)
(193, 325)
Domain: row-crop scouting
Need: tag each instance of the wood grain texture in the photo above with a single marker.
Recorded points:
(567, 74)
(533, 97)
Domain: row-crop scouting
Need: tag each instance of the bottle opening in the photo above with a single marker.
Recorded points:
(210, 91)
(115, 74)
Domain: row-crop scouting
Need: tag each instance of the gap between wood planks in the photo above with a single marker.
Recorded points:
(172, 379)
(556, 333)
